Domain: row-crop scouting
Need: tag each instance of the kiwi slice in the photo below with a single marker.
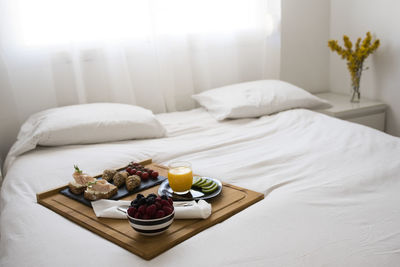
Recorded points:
(208, 183)
(198, 182)
(196, 179)
(208, 186)
(202, 183)
(210, 190)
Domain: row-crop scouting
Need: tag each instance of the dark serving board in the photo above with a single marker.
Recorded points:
(122, 191)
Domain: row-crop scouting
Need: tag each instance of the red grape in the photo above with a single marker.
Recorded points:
(145, 176)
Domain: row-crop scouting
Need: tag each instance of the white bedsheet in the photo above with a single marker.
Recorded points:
(332, 195)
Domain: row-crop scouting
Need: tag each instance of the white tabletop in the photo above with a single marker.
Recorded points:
(342, 107)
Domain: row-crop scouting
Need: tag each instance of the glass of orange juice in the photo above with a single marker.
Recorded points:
(180, 176)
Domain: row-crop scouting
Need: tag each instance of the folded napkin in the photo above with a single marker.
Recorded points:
(183, 210)
(109, 208)
(192, 209)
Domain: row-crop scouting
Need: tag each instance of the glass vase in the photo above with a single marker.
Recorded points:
(355, 96)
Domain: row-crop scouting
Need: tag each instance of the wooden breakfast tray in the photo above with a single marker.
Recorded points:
(231, 200)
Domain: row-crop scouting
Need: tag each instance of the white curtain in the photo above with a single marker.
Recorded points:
(152, 53)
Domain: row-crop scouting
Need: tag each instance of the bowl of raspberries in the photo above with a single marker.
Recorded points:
(151, 215)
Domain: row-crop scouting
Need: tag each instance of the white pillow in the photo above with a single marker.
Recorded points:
(85, 124)
(91, 123)
(257, 98)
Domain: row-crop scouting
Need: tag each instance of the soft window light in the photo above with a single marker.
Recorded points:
(55, 22)
(48, 22)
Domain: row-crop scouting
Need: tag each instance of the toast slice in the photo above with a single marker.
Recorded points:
(80, 182)
(76, 188)
(99, 189)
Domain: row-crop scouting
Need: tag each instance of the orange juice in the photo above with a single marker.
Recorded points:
(180, 177)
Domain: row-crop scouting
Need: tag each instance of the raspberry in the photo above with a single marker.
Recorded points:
(158, 205)
(151, 210)
(142, 209)
(170, 201)
(146, 217)
(165, 203)
(168, 210)
(137, 215)
(131, 211)
(160, 214)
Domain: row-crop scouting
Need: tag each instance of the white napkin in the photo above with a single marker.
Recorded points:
(109, 208)
(183, 210)
(199, 210)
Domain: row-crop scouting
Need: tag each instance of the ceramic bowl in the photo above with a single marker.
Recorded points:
(152, 226)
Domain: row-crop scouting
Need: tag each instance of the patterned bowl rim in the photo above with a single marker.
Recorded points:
(151, 220)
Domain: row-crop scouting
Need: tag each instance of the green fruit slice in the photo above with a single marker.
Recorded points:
(202, 183)
(199, 181)
(212, 189)
(196, 179)
(209, 186)
(208, 183)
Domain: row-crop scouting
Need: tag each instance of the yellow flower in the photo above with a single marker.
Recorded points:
(347, 42)
(355, 59)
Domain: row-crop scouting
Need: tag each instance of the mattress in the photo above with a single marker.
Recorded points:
(331, 194)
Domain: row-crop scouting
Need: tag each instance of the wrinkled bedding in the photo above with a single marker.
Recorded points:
(332, 194)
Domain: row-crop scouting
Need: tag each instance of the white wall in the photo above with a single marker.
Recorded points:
(304, 50)
(382, 80)
(8, 117)
(306, 61)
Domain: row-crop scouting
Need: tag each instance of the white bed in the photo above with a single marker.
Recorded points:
(332, 194)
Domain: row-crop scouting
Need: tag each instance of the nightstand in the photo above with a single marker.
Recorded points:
(368, 112)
